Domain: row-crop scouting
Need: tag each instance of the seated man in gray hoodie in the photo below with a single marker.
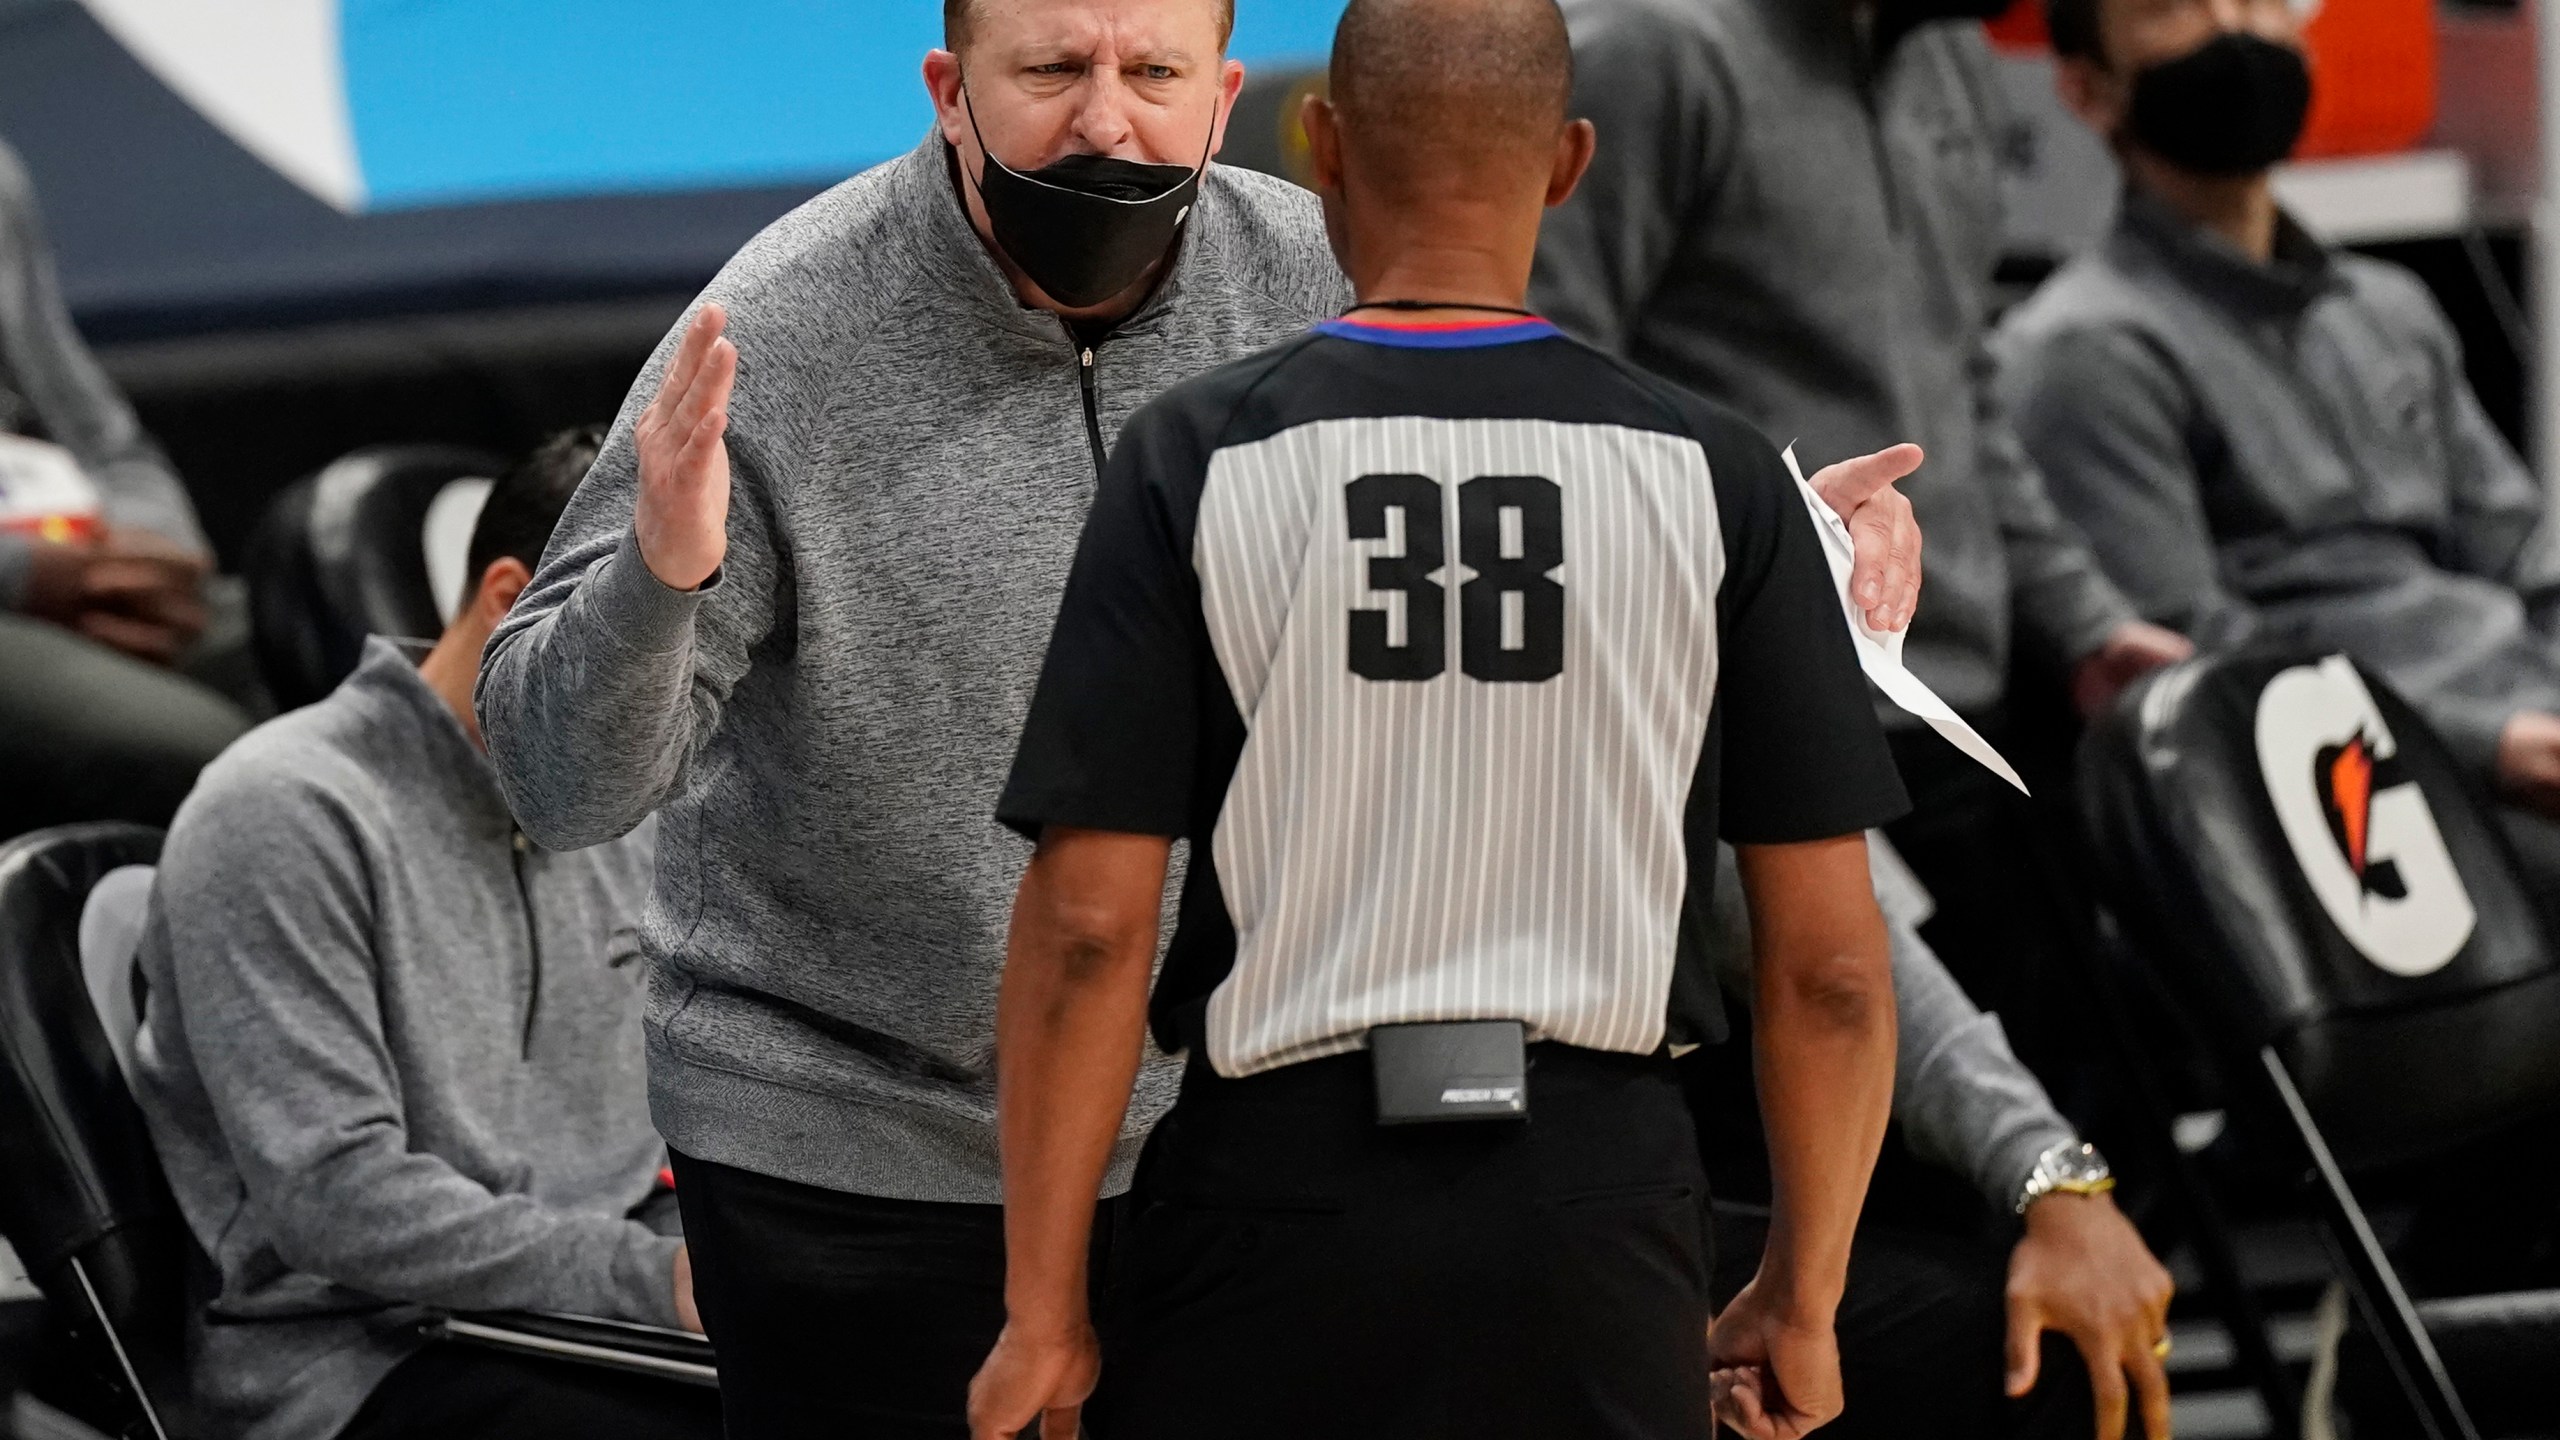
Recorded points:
(2266, 439)
(391, 1058)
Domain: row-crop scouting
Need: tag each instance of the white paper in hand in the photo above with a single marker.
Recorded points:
(1880, 651)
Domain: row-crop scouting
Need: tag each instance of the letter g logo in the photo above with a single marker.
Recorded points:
(2367, 843)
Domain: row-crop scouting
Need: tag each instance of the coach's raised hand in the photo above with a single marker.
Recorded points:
(683, 516)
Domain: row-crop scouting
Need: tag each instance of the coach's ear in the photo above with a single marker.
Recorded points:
(1324, 145)
(1574, 149)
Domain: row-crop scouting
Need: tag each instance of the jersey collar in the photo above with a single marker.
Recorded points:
(1440, 334)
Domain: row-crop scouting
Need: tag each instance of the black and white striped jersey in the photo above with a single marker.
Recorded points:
(1453, 648)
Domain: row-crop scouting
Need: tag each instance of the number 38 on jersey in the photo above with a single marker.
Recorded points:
(1510, 620)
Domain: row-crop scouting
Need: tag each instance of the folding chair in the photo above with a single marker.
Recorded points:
(352, 551)
(2309, 873)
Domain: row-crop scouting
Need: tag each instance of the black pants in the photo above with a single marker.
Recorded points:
(844, 1315)
(2014, 922)
(1294, 1269)
(89, 733)
(1922, 1331)
(445, 1392)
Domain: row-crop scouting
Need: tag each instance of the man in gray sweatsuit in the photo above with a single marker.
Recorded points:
(1795, 209)
(390, 1057)
(823, 721)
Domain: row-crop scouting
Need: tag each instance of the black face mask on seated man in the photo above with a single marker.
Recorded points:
(1086, 227)
(2232, 106)
(1895, 19)
(1903, 14)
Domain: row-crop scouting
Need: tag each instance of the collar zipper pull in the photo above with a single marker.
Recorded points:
(1092, 407)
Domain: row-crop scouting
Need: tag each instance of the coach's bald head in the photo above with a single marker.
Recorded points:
(1445, 129)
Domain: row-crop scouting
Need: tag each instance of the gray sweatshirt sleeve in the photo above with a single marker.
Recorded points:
(274, 973)
(2505, 527)
(2105, 419)
(1657, 91)
(600, 687)
(2062, 599)
(1963, 1099)
(70, 399)
(2504, 524)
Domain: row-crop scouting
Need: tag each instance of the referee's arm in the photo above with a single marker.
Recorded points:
(1071, 1021)
(1102, 780)
(1823, 1029)
(1805, 773)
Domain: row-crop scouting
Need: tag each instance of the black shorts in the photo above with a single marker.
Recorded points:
(1294, 1269)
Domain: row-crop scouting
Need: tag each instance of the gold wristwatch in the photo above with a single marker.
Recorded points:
(2073, 1167)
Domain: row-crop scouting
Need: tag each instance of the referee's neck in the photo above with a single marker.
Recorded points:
(1447, 267)
(1468, 239)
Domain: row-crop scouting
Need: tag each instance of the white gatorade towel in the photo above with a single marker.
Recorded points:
(1880, 651)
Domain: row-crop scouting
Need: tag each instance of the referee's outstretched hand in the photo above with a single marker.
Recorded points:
(1045, 1377)
(1885, 581)
(682, 520)
(1774, 1376)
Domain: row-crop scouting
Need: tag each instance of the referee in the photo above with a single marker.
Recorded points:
(1456, 644)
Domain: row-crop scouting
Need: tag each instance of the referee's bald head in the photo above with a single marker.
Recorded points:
(1433, 92)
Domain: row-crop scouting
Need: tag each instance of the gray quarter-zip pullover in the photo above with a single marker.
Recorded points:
(2290, 453)
(1784, 220)
(390, 1056)
(826, 726)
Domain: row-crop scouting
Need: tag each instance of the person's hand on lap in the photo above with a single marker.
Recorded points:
(2083, 1271)
(2133, 650)
(2529, 761)
(682, 519)
(135, 591)
(1885, 579)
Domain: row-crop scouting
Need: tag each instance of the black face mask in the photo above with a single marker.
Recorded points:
(1896, 19)
(1086, 227)
(1904, 14)
(2232, 106)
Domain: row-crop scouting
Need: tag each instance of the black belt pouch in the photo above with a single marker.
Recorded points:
(1450, 1070)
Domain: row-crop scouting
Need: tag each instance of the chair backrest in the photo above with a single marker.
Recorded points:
(344, 553)
(82, 1198)
(446, 541)
(2312, 871)
(110, 939)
